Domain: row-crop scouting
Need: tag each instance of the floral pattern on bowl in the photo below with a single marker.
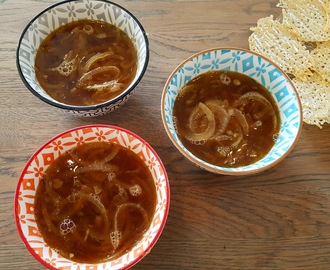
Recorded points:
(44, 156)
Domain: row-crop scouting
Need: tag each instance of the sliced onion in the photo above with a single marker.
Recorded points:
(115, 235)
(220, 114)
(131, 205)
(112, 86)
(209, 130)
(96, 167)
(253, 96)
(102, 210)
(221, 138)
(239, 116)
(91, 152)
(92, 60)
(238, 139)
(112, 155)
(97, 203)
(111, 72)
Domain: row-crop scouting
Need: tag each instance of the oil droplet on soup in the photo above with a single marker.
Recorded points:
(95, 202)
(86, 62)
(226, 118)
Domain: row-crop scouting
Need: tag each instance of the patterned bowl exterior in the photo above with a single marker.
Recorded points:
(44, 156)
(258, 68)
(68, 11)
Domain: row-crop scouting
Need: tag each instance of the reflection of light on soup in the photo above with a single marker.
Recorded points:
(226, 118)
(95, 202)
(86, 62)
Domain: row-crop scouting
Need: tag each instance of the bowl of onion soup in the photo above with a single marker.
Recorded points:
(231, 111)
(84, 57)
(93, 197)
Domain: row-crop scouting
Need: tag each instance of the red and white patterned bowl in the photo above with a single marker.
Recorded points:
(46, 154)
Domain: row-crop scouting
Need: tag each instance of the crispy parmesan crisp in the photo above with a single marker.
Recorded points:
(321, 55)
(272, 39)
(308, 19)
(314, 93)
(300, 44)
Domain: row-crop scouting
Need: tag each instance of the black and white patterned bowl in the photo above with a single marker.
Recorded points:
(67, 11)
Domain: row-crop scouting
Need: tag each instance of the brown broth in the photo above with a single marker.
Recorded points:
(86, 62)
(226, 118)
(95, 202)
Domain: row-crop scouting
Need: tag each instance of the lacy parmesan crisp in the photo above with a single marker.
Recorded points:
(308, 19)
(314, 93)
(321, 55)
(273, 40)
(300, 44)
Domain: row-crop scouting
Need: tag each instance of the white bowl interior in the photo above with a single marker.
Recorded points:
(258, 68)
(69, 11)
(39, 162)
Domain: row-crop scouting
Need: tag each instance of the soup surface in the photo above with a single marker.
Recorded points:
(95, 202)
(86, 62)
(226, 118)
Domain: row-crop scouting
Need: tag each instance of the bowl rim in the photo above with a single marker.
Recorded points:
(220, 169)
(88, 107)
(43, 146)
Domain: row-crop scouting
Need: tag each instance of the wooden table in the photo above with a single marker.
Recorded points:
(278, 219)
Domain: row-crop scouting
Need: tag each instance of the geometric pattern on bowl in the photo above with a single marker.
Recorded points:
(67, 11)
(44, 156)
(256, 67)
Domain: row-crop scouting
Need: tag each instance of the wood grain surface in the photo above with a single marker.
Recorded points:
(278, 219)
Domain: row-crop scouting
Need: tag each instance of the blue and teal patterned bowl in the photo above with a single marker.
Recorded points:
(67, 11)
(255, 66)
